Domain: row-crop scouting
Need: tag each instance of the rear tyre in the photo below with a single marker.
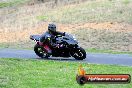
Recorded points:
(39, 50)
(79, 54)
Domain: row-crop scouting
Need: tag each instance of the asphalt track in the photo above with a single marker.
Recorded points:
(116, 59)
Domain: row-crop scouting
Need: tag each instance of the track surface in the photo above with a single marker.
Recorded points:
(117, 59)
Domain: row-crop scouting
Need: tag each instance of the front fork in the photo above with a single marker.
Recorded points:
(72, 50)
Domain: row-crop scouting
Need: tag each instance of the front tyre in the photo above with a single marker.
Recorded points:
(79, 54)
(40, 51)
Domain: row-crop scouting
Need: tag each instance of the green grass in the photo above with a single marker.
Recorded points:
(93, 11)
(18, 45)
(4, 4)
(16, 73)
(126, 1)
(94, 50)
(3, 45)
(12, 3)
(42, 18)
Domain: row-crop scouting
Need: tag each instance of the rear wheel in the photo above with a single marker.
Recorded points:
(39, 50)
(79, 54)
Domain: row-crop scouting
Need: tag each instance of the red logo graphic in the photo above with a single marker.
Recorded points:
(83, 78)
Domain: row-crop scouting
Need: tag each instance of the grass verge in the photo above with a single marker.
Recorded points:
(21, 73)
(11, 3)
(92, 11)
(94, 50)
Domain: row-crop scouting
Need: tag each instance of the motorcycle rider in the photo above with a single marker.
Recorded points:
(48, 38)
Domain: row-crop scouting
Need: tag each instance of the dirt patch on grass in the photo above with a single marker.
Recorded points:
(107, 35)
(23, 35)
(114, 27)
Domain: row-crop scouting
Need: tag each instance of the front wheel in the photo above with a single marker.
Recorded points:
(79, 54)
(39, 50)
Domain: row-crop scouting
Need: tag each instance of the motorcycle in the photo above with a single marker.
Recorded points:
(67, 46)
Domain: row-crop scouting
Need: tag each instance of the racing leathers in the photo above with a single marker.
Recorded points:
(48, 40)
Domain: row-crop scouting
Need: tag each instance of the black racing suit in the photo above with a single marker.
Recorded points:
(49, 39)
